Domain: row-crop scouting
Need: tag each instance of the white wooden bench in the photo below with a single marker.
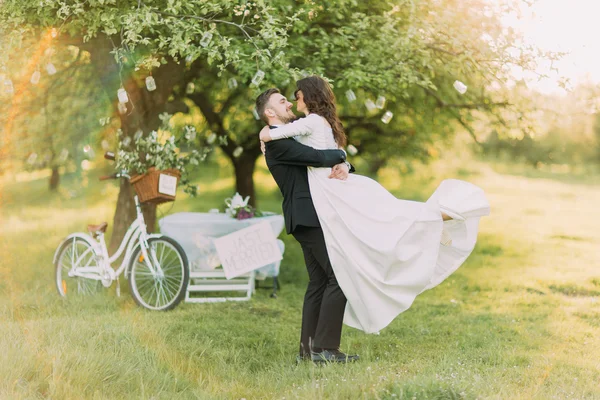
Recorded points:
(212, 282)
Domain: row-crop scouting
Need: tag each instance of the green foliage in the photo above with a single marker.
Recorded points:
(555, 129)
(161, 150)
(552, 148)
(410, 52)
(47, 125)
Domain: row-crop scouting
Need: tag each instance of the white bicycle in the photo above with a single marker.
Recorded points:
(155, 265)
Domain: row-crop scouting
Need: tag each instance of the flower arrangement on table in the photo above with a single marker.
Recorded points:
(161, 150)
(238, 207)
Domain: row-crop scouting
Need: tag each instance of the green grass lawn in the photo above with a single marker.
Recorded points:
(520, 320)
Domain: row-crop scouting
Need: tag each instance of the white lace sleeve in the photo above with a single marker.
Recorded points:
(300, 127)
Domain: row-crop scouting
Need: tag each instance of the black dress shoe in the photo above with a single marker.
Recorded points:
(332, 356)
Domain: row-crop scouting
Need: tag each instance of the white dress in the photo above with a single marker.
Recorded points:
(385, 251)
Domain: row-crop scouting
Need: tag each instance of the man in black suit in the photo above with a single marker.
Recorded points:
(324, 301)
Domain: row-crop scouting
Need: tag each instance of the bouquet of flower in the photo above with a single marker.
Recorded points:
(238, 207)
(161, 150)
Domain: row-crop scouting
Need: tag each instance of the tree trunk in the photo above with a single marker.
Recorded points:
(244, 171)
(375, 164)
(143, 111)
(125, 214)
(244, 164)
(54, 179)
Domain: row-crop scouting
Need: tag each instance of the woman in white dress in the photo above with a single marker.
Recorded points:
(384, 251)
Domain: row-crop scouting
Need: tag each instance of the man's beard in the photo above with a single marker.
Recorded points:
(286, 119)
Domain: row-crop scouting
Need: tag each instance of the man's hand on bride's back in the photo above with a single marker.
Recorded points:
(339, 171)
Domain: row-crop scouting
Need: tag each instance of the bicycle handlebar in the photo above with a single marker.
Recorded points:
(107, 177)
(109, 155)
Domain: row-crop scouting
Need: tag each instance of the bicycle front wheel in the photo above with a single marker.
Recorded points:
(76, 253)
(152, 289)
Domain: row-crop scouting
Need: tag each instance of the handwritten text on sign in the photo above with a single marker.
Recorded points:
(247, 249)
(167, 184)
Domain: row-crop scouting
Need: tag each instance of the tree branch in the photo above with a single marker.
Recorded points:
(203, 19)
(214, 120)
(452, 53)
(466, 126)
(471, 106)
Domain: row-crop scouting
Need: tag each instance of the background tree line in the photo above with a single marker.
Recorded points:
(204, 58)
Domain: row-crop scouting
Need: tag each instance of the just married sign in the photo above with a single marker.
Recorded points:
(247, 249)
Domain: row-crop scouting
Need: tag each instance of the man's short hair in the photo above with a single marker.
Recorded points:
(261, 102)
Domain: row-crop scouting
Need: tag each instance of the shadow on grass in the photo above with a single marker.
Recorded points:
(573, 290)
(577, 175)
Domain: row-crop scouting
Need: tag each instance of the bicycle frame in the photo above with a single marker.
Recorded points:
(136, 233)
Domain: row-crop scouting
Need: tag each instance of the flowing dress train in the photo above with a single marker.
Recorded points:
(385, 251)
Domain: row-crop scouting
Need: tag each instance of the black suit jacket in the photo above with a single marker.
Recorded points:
(287, 160)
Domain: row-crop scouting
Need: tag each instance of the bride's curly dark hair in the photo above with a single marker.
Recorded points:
(320, 100)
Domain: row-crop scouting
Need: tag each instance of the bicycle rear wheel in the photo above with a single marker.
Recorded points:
(75, 252)
(155, 292)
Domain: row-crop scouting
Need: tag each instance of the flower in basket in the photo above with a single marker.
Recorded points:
(161, 150)
(238, 207)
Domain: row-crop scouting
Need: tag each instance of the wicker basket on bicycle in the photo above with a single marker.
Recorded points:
(156, 186)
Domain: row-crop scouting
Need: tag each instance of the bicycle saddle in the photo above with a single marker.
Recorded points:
(96, 229)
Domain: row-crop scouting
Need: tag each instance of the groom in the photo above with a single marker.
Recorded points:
(324, 301)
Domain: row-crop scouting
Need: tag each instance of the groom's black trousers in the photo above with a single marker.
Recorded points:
(324, 301)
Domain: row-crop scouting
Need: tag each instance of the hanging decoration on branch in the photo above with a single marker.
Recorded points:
(206, 38)
(35, 77)
(122, 95)
(238, 151)
(387, 117)
(150, 83)
(190, 88)
(255, 113)
(211, 138)
(51, 69)
(232, 83)
(380, 103)
(350, 95)
(460, 87)
(352, 150)
(8, 86)
(122, 108)
(258, 78)
(370, 105)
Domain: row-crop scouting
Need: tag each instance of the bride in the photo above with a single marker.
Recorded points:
(384, 251)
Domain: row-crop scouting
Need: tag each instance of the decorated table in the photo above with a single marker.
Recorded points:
(196, 233)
